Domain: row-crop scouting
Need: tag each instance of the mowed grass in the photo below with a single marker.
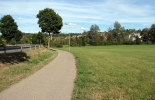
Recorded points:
(16, 66)
(115, 72)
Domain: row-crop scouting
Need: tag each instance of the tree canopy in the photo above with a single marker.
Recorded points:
(49, 21)
(94, 28)
(117, 25)
(93, 34)
(18, 36)
(8, 27)
(145, 35)
(152, 33)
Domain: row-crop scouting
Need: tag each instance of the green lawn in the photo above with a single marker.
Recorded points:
(115, 72)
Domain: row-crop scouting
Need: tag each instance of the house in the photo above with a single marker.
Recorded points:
(67, 37)
(79, 36)
(134, 35)
(73, 36)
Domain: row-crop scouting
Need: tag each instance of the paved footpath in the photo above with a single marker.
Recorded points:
(55, 81)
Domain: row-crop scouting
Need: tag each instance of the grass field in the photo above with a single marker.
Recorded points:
(115, 72)
(16, 66)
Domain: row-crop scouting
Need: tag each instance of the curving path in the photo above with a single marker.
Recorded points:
(55, 81)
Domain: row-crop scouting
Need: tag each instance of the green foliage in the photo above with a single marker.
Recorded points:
(49, 21)
(18, 36)
(145, 35)
(31, 38)
(83, 39)
(93, 36)
(138, 41)
(41, 37)
(94, 28)
(35, 39)
(8, 27)
(26, 38)
(117, 25)
(118, 34)
(2, 42)
(57, 44)
(152, 33)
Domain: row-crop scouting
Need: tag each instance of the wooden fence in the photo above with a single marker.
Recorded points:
(18, 48)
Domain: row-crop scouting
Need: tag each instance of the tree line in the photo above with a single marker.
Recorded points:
(51, 23)
(117, 35)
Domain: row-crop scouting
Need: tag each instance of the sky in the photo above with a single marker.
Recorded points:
(81, 14)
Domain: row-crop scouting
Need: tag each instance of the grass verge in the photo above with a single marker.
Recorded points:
(16, 66)
(115, 72)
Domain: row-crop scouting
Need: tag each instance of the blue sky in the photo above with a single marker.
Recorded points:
(82, 13)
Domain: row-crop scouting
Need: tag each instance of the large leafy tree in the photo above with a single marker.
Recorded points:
(18, 36)
(117, 25)
(49, 22)
(93, 36)
(8, 27)
(94, 28)
(152, 33)
(145, 35)
(118, 33)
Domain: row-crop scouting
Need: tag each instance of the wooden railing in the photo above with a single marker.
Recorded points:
(18, 48)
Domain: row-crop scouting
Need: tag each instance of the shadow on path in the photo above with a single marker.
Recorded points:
(14, 57)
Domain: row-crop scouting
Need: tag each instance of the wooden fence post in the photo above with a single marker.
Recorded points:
(35, 46)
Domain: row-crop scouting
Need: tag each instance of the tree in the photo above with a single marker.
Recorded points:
(117, 25)
(94, 28)
(93, 35)
(83, 41)
(8, 27)
(35, 40)
(152, 33)
(50, 22)
(138, 41)
(41, 37)
(145, 35)
(18, 36)
(118, 34)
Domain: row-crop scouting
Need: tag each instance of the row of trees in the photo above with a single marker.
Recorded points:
(49, 22)
(148, 34)
(116, 35)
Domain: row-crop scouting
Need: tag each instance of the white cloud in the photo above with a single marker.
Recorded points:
(71, 24)
(82, 28)
(104, 12)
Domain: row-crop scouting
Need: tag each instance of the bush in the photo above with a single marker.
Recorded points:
(138, 41)
(2, 42)
(56, 44)
(59, 45)
(129, 42)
